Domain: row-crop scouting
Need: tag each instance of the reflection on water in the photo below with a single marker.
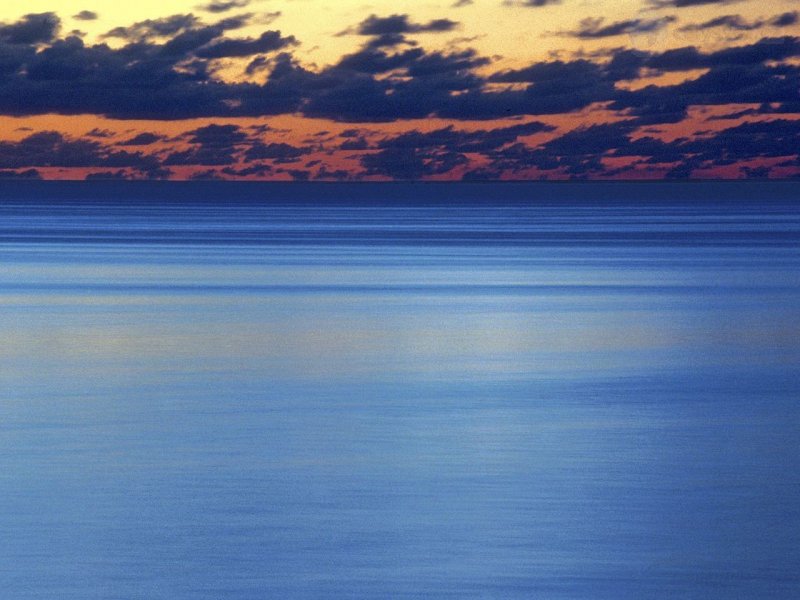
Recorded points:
(209, 400)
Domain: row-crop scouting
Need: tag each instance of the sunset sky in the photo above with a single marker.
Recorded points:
(353, 90)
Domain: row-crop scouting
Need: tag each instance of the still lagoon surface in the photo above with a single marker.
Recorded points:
(549, 397)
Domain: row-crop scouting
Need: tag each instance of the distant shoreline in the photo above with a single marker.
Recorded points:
(365, 193)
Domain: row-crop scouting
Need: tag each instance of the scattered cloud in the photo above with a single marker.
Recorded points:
(689, 3)
(143, 139)
(221, 6)
(374, 25)
(531, 3)
(593, 28)
(786, 19)
(86, 15)
(739, 23)
(268, 41)
(36, 28)
(618, 100)
(52, 149)
(149, 28)
(26, 174)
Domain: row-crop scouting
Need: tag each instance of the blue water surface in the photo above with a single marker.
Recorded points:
(329, 399)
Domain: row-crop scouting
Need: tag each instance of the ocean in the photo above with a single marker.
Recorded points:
(574, 391)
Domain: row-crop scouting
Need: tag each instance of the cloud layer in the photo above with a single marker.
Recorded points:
(608, 111)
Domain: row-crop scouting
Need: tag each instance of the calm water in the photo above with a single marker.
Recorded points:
(221, 400)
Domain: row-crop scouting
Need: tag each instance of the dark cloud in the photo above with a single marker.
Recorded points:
(52, 149)
(299, 174)
(554, 87)
(373, 60)
(190, 41)
(582, 152)
(679, 59)
(235, 22)
(13, 57)
(593, 28)
(766, 108)
(49, 149)
(652, 150)
(411, 163)
(739, 23)
(744, 142)
(138, 80)
(265, 18)
(413, 155)
(199, 157)
(786, 19)
(735, 22)
(531, 3)
(26, 174)
(268, 41)
(625, 64)
(277, 151)
(143, 139)
(261, 128)
(358, 143)
(258, 64)
(438, 64)
(689, 3)
(464, 141)
(163, 27)
(364, 99)
(336, 175)
(398, 24)
(220, 6)
(86, 15)
(185, 33)
(100, 133)
(165, 69)
(482, 174)
(755, 172)
(790, 107)
(118, 175)
(389, 40)
(689, 57)
(762, 139)
(31, 29)
(518, 157)
(349, 91)
(257, 169)
(218, 136)
(735, 76)
(207, 175)
(212, 145)
(548, 72)
(578, 153)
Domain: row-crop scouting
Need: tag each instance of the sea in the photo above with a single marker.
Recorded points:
(400, 391)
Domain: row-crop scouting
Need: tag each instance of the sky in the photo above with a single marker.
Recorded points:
(402, 90)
